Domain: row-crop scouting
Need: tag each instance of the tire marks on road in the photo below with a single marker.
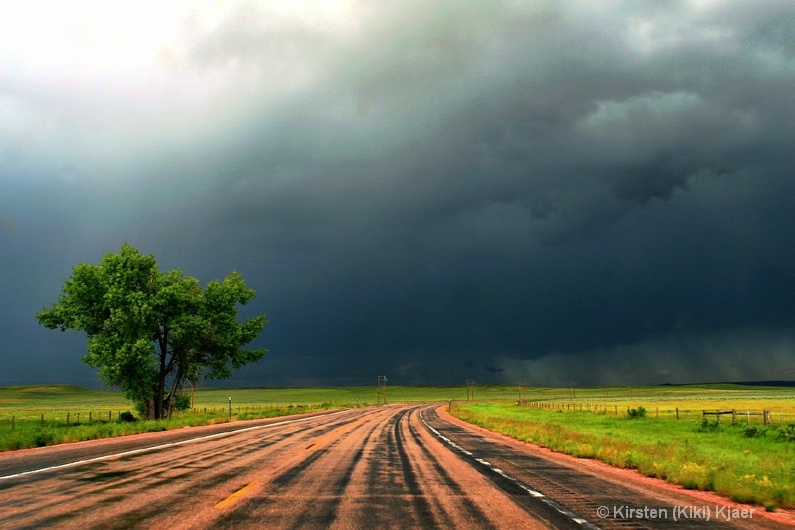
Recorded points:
(307, 491)
(373, 467)
(472, 514)
(123, 486)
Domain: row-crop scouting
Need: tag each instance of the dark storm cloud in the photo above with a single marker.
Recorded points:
(548, 192)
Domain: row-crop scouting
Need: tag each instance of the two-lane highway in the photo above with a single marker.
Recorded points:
(396, 466)
(366, 468)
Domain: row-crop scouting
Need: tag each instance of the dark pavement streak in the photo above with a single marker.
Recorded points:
(365, 468)
(582, 492)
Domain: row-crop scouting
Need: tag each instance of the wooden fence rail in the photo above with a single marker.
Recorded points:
(734, 413)
(603, 408)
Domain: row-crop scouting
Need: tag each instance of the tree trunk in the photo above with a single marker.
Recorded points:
(158, 398)
(149, 409)
(174, 387)
(161, 380)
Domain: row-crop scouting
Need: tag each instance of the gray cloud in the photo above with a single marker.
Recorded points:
(432, 191)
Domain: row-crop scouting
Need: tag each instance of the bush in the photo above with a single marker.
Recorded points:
(636, 414)
(708, 426)
(43, 437)
(127, 416)
(787, 433)
(754, 432)
(181, 402)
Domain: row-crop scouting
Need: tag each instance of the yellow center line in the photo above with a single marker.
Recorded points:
(236, 495)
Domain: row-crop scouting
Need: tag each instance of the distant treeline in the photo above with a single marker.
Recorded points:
(743, 383)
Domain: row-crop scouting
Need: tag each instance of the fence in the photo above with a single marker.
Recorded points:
(766, 415)
(596, 408)
(602, 408)
(67, 418)
(22, 419)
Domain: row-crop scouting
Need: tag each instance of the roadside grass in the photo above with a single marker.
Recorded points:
(747, 463)
(35, 433)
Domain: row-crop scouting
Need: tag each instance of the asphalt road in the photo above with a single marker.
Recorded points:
(396, 466)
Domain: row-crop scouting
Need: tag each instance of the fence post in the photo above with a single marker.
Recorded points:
(90, 414)
(677, 413)
(67, 418)
(767, 417)
(734, 416)
(42, 419)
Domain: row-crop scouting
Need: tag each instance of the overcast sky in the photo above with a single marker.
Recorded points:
(548, 192)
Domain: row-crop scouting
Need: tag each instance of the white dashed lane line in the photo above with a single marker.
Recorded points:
(530, 491)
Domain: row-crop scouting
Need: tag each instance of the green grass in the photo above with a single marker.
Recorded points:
(753, 464)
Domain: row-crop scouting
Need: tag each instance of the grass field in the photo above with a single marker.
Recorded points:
(748, 462)
(21, 400)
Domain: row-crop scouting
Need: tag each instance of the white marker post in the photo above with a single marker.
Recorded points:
(230, 408)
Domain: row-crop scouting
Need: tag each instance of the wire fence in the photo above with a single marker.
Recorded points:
(71, 418)
(766, 417)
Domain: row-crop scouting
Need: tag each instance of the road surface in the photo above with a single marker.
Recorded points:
(397, 466)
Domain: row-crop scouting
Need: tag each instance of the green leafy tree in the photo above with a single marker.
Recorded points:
(151, 332)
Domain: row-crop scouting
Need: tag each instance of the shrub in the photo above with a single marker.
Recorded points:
(127, 416)
(708, 426)
(787, 433)
(752, 431)
(636, 414)
(43, 437)
(182, 402)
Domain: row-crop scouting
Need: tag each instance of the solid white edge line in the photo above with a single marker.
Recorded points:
(162, 446)
(533, 493)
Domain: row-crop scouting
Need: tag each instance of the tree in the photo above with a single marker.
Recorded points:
(149, 332)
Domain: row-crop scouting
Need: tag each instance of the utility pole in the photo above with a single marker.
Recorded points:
(470, 389)
(572, 393)
(381, 384)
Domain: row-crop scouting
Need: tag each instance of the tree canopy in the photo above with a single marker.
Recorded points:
(150, 332)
